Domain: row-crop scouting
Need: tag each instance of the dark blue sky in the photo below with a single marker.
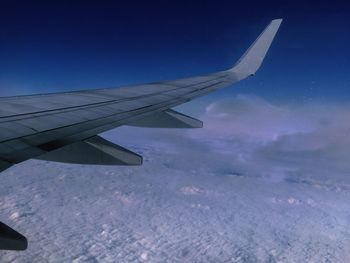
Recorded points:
(48, 46)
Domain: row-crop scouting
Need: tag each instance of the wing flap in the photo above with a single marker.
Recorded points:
(167, 119)
(11, 239)
(95, 150)
(4, 165)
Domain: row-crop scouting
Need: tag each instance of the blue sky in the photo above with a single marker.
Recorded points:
(64, 45)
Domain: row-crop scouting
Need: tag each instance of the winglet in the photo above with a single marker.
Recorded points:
(252, 59)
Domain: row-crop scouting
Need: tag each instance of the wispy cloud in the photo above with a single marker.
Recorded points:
(249, 135)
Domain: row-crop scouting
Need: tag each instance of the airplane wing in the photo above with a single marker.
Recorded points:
(64, 127)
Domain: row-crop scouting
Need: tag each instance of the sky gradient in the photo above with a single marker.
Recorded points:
(65, 45)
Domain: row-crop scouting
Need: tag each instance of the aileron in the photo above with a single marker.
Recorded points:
(95, 150)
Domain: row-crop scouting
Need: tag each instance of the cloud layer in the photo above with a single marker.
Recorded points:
(252, 136)
(298, 141)
(259, 183)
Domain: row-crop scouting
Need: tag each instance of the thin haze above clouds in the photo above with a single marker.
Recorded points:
(310, 140)
(261, 139)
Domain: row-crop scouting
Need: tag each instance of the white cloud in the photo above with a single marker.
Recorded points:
(259, 183)
(310, 140)
(250, 136)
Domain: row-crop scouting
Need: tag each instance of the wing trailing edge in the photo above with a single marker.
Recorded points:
(167, 119)
(11, 239)
(95, 150)
(4, 165)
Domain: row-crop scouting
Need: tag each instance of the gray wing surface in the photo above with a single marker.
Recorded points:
(49, 126)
